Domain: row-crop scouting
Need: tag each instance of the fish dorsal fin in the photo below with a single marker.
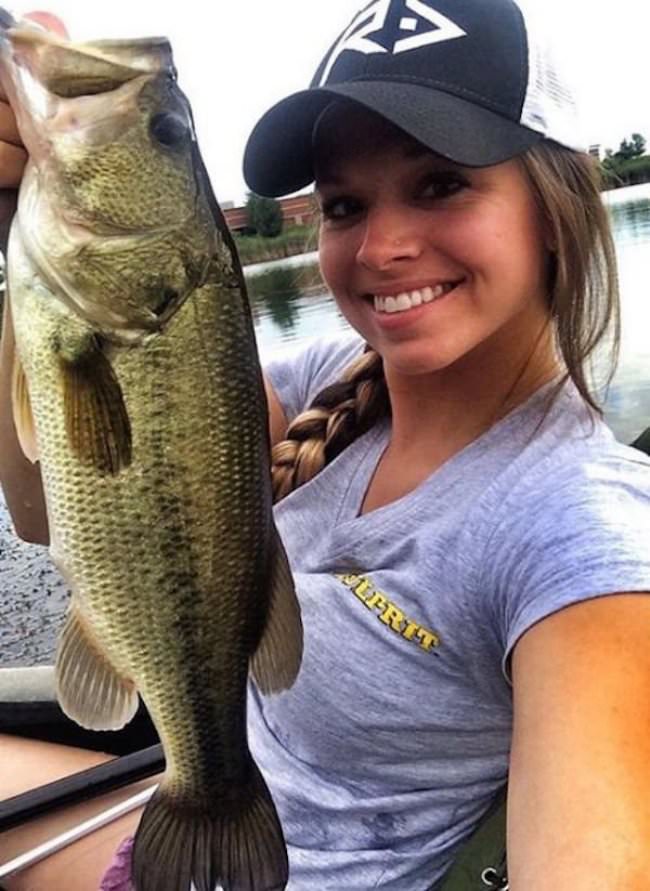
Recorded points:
(22, 411)
(96, 420)
(89, 689)
(276, 662)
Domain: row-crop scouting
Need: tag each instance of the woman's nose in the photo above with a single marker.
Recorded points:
(389, 236)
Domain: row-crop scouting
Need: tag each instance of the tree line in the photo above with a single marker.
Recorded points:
(627, 166)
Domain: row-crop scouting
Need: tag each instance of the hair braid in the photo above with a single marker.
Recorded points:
(338, 415)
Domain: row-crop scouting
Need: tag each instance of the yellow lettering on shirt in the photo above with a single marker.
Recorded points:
(410, 630)
(393, 617)
(389, 613)
(361, 589)
(428, 639)
(377, 599)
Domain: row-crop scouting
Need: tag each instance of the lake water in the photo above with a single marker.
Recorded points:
(290, 306)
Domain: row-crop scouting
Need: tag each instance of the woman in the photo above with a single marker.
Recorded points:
(468, 540)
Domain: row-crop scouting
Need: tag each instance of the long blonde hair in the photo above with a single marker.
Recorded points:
(583, 302)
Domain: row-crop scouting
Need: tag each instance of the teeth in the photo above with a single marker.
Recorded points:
(404, 301)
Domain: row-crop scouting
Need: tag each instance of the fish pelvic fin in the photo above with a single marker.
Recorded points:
(96, 420)
(238, 846)
(89, 689)
(22, 411)
(276, 662)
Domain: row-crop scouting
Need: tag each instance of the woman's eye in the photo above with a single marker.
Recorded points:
(340, 208)
(443, 185)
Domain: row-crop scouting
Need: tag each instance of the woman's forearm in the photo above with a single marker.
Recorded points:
(20, 479)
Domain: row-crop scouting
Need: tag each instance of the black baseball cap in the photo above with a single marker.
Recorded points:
(473, 80)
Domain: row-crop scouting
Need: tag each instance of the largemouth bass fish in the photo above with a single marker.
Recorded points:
(138, 388)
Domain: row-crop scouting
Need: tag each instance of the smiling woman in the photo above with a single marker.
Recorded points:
(453, 458)
(467, 538)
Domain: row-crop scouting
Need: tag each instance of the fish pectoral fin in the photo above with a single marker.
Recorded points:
(276, 662)
(89, 689)
(22, 411)
(97, 422)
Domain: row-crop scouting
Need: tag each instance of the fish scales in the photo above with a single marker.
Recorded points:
(143, 402)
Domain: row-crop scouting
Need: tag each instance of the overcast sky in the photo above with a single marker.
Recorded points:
(235, 58)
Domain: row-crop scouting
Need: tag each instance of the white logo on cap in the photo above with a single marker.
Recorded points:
(373, 19)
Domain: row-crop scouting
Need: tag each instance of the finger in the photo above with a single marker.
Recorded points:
(8, 128)
(12, 164)
(49, 21)
(8, 201)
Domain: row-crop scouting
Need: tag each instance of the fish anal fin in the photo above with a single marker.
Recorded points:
(276, 662)
(22, 411)
(235, 842)
(89, 689)
(96, 419)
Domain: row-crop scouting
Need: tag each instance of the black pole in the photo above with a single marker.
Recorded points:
(81, 786)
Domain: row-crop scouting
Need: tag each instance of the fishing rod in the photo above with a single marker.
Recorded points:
(81, 786)
(35, 855)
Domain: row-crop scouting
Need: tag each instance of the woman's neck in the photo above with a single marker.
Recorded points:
(447, 409)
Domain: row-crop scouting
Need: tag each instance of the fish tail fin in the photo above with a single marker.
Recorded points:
(237, 846)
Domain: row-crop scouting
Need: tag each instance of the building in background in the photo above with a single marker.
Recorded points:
(299, 210)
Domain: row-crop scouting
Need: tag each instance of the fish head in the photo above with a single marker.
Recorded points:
(112, 209)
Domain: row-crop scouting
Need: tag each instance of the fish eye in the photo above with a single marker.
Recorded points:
(169, 129)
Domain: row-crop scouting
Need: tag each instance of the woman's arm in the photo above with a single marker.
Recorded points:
(579, 789)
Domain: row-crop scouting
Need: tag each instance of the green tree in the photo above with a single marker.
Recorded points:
(264, 215)
(639, 144)
(634, 148)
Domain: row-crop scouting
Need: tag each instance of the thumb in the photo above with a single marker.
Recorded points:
(49, 21)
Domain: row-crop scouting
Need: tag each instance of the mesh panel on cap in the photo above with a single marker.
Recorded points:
(549, 106)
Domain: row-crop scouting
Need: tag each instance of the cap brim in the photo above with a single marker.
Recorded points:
(278, 158)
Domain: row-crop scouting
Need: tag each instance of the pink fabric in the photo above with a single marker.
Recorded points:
(118, 875)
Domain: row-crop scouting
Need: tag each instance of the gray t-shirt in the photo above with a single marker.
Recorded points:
(395, 737)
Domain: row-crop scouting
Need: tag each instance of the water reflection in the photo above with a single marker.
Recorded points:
(631, 221)
(277, 292)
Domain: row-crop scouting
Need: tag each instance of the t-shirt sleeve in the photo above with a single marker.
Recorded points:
(298, 375)
(568, 537)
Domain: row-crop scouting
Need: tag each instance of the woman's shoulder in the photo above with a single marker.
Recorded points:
(564, 444)
(297, 374)
(571, 479)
